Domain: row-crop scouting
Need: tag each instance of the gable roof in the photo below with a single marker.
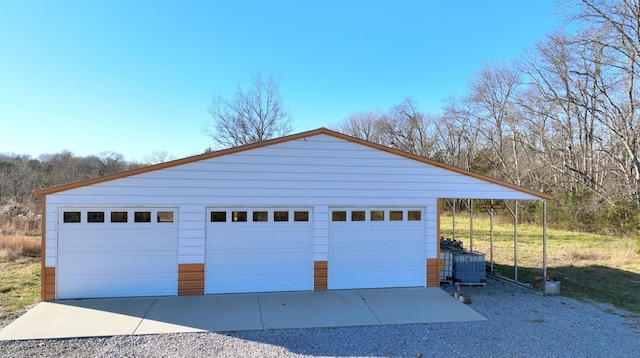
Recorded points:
(195, 158)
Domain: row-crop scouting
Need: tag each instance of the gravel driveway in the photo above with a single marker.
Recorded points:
(520, 323)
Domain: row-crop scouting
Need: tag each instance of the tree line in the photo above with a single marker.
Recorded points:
(563, 119)
(20, 175)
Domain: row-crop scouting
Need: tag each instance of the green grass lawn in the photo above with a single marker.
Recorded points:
(19, 287)
(590, 267)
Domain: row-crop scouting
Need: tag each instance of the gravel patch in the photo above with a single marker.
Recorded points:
(521, 323)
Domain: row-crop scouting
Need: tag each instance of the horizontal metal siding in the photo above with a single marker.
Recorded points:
(301, 173)
(191, 233)
(431, 216)
(51, 242)
(321, 233)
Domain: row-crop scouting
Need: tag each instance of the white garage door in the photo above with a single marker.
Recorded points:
(376, 247)
(117, 252)
(259, 250)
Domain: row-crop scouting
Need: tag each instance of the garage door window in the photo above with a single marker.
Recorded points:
(339, 216)
(280, 216)
(165, 216)
(71, 217)
(414, 215)
(377, 215)
(358, 215)
(142, 217)
(218, 216)
(238, 216)
(119, 216)
(300, 216)
(395, 215)
(95, 216)
(260, 216)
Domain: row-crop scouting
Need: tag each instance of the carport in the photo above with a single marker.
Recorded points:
(490, 207)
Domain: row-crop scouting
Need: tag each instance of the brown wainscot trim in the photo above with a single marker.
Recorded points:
(433, 273)
(190, 279)
(320, 274)
(49, 284)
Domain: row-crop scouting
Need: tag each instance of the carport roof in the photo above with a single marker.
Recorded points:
(319, 131)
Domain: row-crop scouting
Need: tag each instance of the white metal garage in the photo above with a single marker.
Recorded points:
(117, 252)
(376, 247)
(312, 211)
(259, 250)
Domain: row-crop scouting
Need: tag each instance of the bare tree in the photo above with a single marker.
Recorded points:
(62, 168)
(111, 162)
(18, 175)
(584, 97)
(157, 157)
(403, 127)
(364, 125)
(457, 134)
(254, 113)
(616, 26)
(562, 121)
(409, 129)
(492, 97)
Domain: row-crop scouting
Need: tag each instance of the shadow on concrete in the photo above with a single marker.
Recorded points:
(237, 312)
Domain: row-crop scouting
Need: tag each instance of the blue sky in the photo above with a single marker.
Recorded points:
(136, 77)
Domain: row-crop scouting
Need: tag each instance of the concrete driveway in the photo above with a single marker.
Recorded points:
(237, 312)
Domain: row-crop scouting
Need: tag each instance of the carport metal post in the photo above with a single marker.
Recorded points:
(453, 229)
(515, 241)
(514, 214)
(471, 225)
(491, 213)
(544, 239)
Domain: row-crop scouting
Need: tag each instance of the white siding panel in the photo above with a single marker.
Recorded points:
(322, 218)
(432, 229)
(51, 244)
(321, 233)
(51, 241)
(196, 242)
(186, 234)
(321, 252)
(190, 251)
(191, 240)
(192, 223)
(191, 259)
(321, 229)
(50, 259)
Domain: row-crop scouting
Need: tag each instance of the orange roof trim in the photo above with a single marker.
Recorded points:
(195, 158)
